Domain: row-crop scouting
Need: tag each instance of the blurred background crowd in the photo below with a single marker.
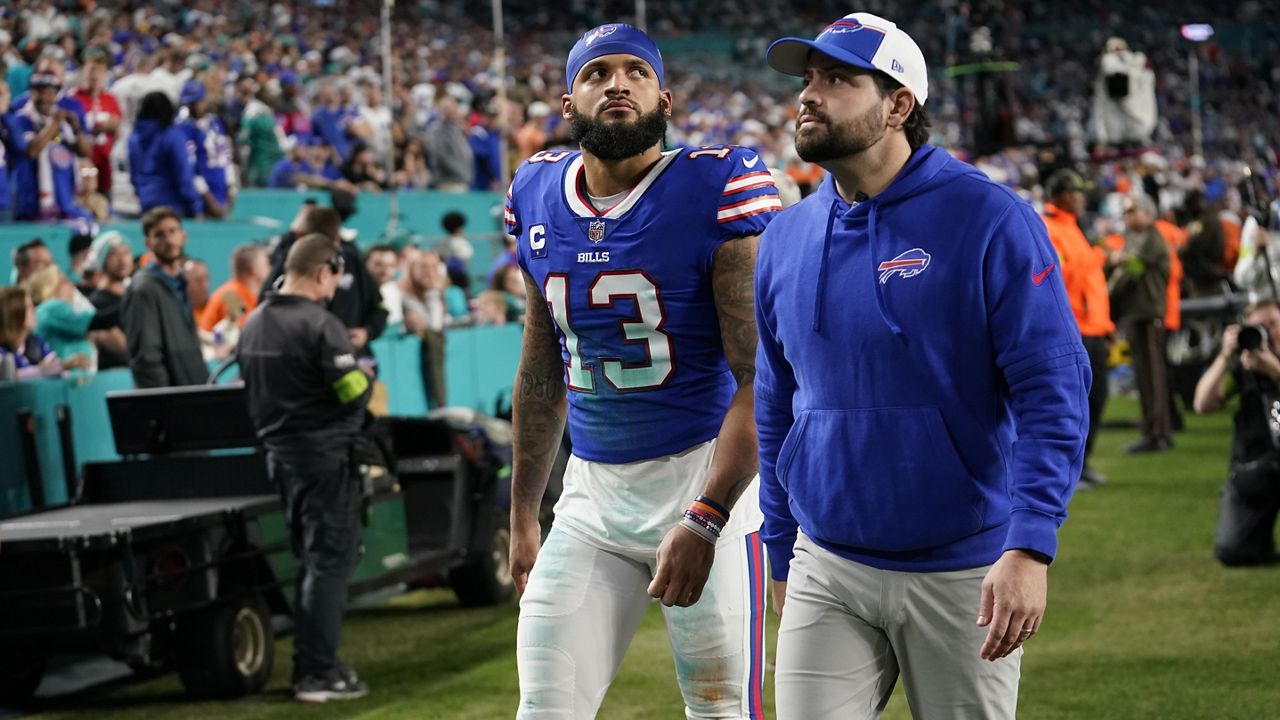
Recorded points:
(116, 107)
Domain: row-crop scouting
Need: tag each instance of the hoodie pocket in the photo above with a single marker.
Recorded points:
(886, 479)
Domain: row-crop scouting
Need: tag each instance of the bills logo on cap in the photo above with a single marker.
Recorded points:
(600, 32)
(595, 231)
(841, 27)
(908, 264)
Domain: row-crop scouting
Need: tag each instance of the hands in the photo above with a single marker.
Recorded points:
(359, 336)
(684, 562)
(779, 590)
(50, 365)
(526, 541)
(1261, 361)
(1013, 600)
(1230, 341)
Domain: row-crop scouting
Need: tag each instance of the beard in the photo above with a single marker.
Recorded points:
(618, 140)
(840, 140)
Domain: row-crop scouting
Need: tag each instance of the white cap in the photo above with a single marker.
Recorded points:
(862, 40)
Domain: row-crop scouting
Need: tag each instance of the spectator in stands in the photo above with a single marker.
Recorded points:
(1084, 274)
(382, 263)
(1251, 498)
(411, 167)
(431, 303)
(291, 106)
(250, 267)
(160, 165)
(43, 141)
(88, 195)
(78, 269)
(64, 325)
(532, 135)
(486, 149)
(164, 348)
(32, 356)
(6, 139)
(457, 250)
(375, 117)
(331, 120)
(306, 166)
(113, 258)
(102, 112)
(448, 151)
(262, 136)
(504, 259)
(215, 172)
(509, 281)
(363, 170)
(1137, 281)
(307, 397)
(29, 257)
(491, 308)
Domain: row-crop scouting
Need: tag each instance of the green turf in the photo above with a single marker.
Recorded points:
(1142, 623)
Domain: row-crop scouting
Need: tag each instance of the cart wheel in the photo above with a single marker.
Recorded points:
(229, 650)
(19, 678)
(487, 581)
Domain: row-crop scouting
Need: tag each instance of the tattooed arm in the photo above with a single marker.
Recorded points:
(538, 410)
(684, 559)
(736, 459)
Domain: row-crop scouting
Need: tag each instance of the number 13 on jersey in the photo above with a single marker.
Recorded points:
(606, 289)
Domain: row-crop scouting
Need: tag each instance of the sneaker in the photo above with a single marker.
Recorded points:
(340, 684)
(1149, 445)
(1092, 477)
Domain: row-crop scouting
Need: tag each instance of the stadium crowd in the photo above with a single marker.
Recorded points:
(116, 108)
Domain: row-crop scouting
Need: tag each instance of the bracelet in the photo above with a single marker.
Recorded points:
(699, 529)
(713, 505)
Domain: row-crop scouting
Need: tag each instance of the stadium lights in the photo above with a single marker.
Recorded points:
(1197, 32)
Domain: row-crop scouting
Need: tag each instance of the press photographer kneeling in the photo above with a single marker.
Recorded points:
(1248, 365)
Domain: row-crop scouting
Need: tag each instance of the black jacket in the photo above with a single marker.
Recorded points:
(307, 395)
(358, 301)
(164, 349)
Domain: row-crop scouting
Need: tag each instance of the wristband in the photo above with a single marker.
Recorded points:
(724, 511)
(699, 529)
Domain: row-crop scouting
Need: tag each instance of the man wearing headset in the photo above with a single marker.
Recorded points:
(307, 397)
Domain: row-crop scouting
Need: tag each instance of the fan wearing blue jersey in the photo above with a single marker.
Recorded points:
(639, 270)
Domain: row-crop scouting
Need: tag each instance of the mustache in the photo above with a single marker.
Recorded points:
(618, 100)
(820, 116)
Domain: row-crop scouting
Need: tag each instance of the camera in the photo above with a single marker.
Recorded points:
(1252, 337)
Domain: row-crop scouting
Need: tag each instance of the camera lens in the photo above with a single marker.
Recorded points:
(1250, 337)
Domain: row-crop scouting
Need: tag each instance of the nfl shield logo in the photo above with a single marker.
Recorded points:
(595, 231)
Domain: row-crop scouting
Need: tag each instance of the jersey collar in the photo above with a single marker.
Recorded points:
(575, 195)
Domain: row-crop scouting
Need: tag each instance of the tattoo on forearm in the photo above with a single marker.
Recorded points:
(733, 282)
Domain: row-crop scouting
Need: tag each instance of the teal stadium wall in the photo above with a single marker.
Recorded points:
(261, 214)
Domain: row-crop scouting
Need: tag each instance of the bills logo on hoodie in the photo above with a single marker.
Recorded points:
(908, 264)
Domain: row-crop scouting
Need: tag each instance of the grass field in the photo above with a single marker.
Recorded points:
(1142, 623)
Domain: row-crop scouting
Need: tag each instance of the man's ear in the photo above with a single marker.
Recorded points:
(903, 101)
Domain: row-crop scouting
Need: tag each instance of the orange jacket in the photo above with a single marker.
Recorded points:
(1175, 237)
(1082, 272)
(216, 309)
(1230, 243)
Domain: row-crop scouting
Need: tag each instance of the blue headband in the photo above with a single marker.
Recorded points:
(614, 39)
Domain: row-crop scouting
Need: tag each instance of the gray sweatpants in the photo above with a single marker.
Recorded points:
(848, 630)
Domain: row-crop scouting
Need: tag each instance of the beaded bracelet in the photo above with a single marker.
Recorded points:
(699, 529)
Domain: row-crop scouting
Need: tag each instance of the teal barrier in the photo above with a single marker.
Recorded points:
(260, 214)
(480, 365)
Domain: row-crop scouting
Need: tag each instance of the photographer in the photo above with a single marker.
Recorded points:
(1248, 365)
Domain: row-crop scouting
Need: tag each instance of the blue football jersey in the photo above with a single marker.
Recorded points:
(629, 291)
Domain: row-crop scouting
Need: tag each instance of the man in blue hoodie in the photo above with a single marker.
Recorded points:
(921, 401)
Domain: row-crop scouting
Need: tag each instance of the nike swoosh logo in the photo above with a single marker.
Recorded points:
(1040, 276)
(752, 162)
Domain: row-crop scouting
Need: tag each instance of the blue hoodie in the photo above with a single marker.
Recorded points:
(921, 387)
(161, 168)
